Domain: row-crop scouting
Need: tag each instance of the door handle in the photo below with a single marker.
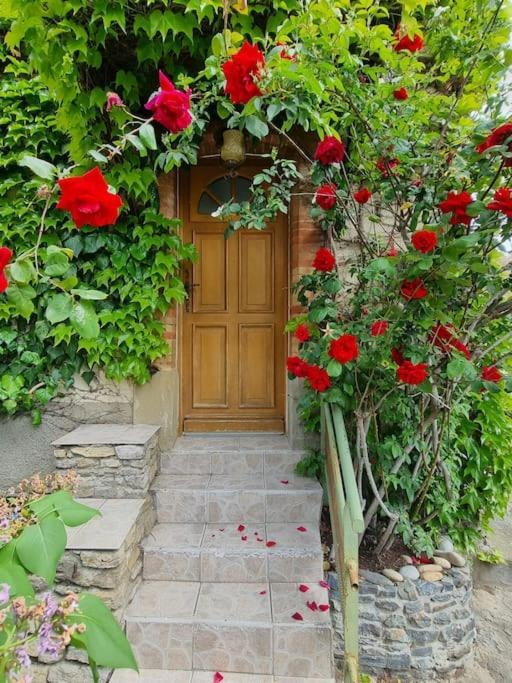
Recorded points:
(189, 289)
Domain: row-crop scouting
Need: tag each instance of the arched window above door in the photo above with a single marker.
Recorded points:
(222, 190)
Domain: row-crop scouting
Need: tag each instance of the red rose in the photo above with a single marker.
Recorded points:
(324, 260)
(318, 378)
(414, 44)
(386, 165)
(498, 136)
(409, 373)
(344, 349)
(330, 150)
(379, 327)
(241, 72)
(443, 336)
(424, 241)
(170, 106)
(400, 94)
(502, 201)
(325, 196)
(113, 100)
(302, 333)
(363, 195)
(88, 200)
(456, 204)
(413, 289)
(490, 373)
(397, 356)
(296, 366)
(5, 257)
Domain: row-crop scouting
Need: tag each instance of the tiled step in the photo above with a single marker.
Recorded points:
(231, 627)
(163, 676)
(229, 462)
(241, 499)
(216, 553)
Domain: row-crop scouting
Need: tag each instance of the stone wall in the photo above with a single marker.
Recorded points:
(415, 630)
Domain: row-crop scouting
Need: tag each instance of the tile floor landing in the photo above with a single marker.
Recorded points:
(232, 569)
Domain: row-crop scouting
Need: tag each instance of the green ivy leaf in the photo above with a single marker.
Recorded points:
(22, 271)
(91, 294)
(21, 296)
(38, 166)
(41, 546)
(84, 320)
(103, 638)
(59, 308)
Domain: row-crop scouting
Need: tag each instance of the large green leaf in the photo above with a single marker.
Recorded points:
(12, 572)
(103, 638)
(59, 308)
(84, 319)
(69, 510)
(38, 166)
(41, 546)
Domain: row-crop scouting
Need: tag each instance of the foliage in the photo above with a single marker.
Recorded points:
(311, 465)
(33, 521)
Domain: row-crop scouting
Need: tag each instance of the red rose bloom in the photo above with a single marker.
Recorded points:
(330, 151)
(424, 241)
(302, 333)
(413, 289)
(318, 378)
(456, 204)
(324, 260)
(113, 100)
(414, 44)
(170, 106)
(386, 165)
(400, 94)
(379, 327)
(5, 257)
(490, 373)
(241, 71)
(325, 196)
(88, 200)
(443, 336)
(397, 356)
(409, 373)
(296, 366)
(363, 195)
(502, 201)
(498, 136)
(344, 349)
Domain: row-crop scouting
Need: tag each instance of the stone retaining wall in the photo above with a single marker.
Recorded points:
(416, 630)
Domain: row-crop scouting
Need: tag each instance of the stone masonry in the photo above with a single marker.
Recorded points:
(113, 461)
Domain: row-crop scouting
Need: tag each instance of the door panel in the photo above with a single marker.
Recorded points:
(232, 332)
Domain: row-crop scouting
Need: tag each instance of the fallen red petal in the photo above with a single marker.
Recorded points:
(222, 529)
(297, 616)
(301, 528)
(303, 588)
(260, 540)
(284, 481)
(323, 608)
(244, 538)
(263, 592)
(324, 584)
(241, 527)
(217, 678)
(312, 605)
(271, 544)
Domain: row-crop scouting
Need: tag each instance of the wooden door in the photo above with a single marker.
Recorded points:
(233, 342)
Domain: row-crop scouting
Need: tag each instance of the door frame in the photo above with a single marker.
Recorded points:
(183, 198)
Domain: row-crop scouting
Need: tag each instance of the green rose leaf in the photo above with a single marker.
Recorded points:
(334, 368)
(147, 135)
(256, 127)
(84, 320)
(12, 572)
(57, 262)
(41, 546)
(38, 166)
(103, 638)
(59, 308)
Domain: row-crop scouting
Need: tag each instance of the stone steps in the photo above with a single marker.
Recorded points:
(218, 498)
(231, 627)
(229, 462)
(164, 676)
(211, 552)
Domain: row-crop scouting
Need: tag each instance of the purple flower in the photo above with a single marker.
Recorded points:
(50, 607)
(47, 644)
(4, 593)
(23, 657)
(4, 523)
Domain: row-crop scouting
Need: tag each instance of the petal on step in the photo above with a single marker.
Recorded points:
(303, 588)
(297, 616)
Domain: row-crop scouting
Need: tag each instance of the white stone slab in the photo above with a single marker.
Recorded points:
(109, 434)
(108, 532)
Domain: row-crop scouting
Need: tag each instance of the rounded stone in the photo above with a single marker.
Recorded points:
(432, 576)
(454, 558)
(409, 572)
(445, 544)
(406, 559)
(442, 562)
(393, 575)
(429, 568)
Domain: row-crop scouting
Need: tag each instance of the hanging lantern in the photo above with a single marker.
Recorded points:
(232, 151)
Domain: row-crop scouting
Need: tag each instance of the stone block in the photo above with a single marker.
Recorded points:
(129, 452)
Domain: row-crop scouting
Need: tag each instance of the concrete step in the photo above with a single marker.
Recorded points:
(231, 627)
(241, 499)
(215, 553)
(163, 676)
(229, 462)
